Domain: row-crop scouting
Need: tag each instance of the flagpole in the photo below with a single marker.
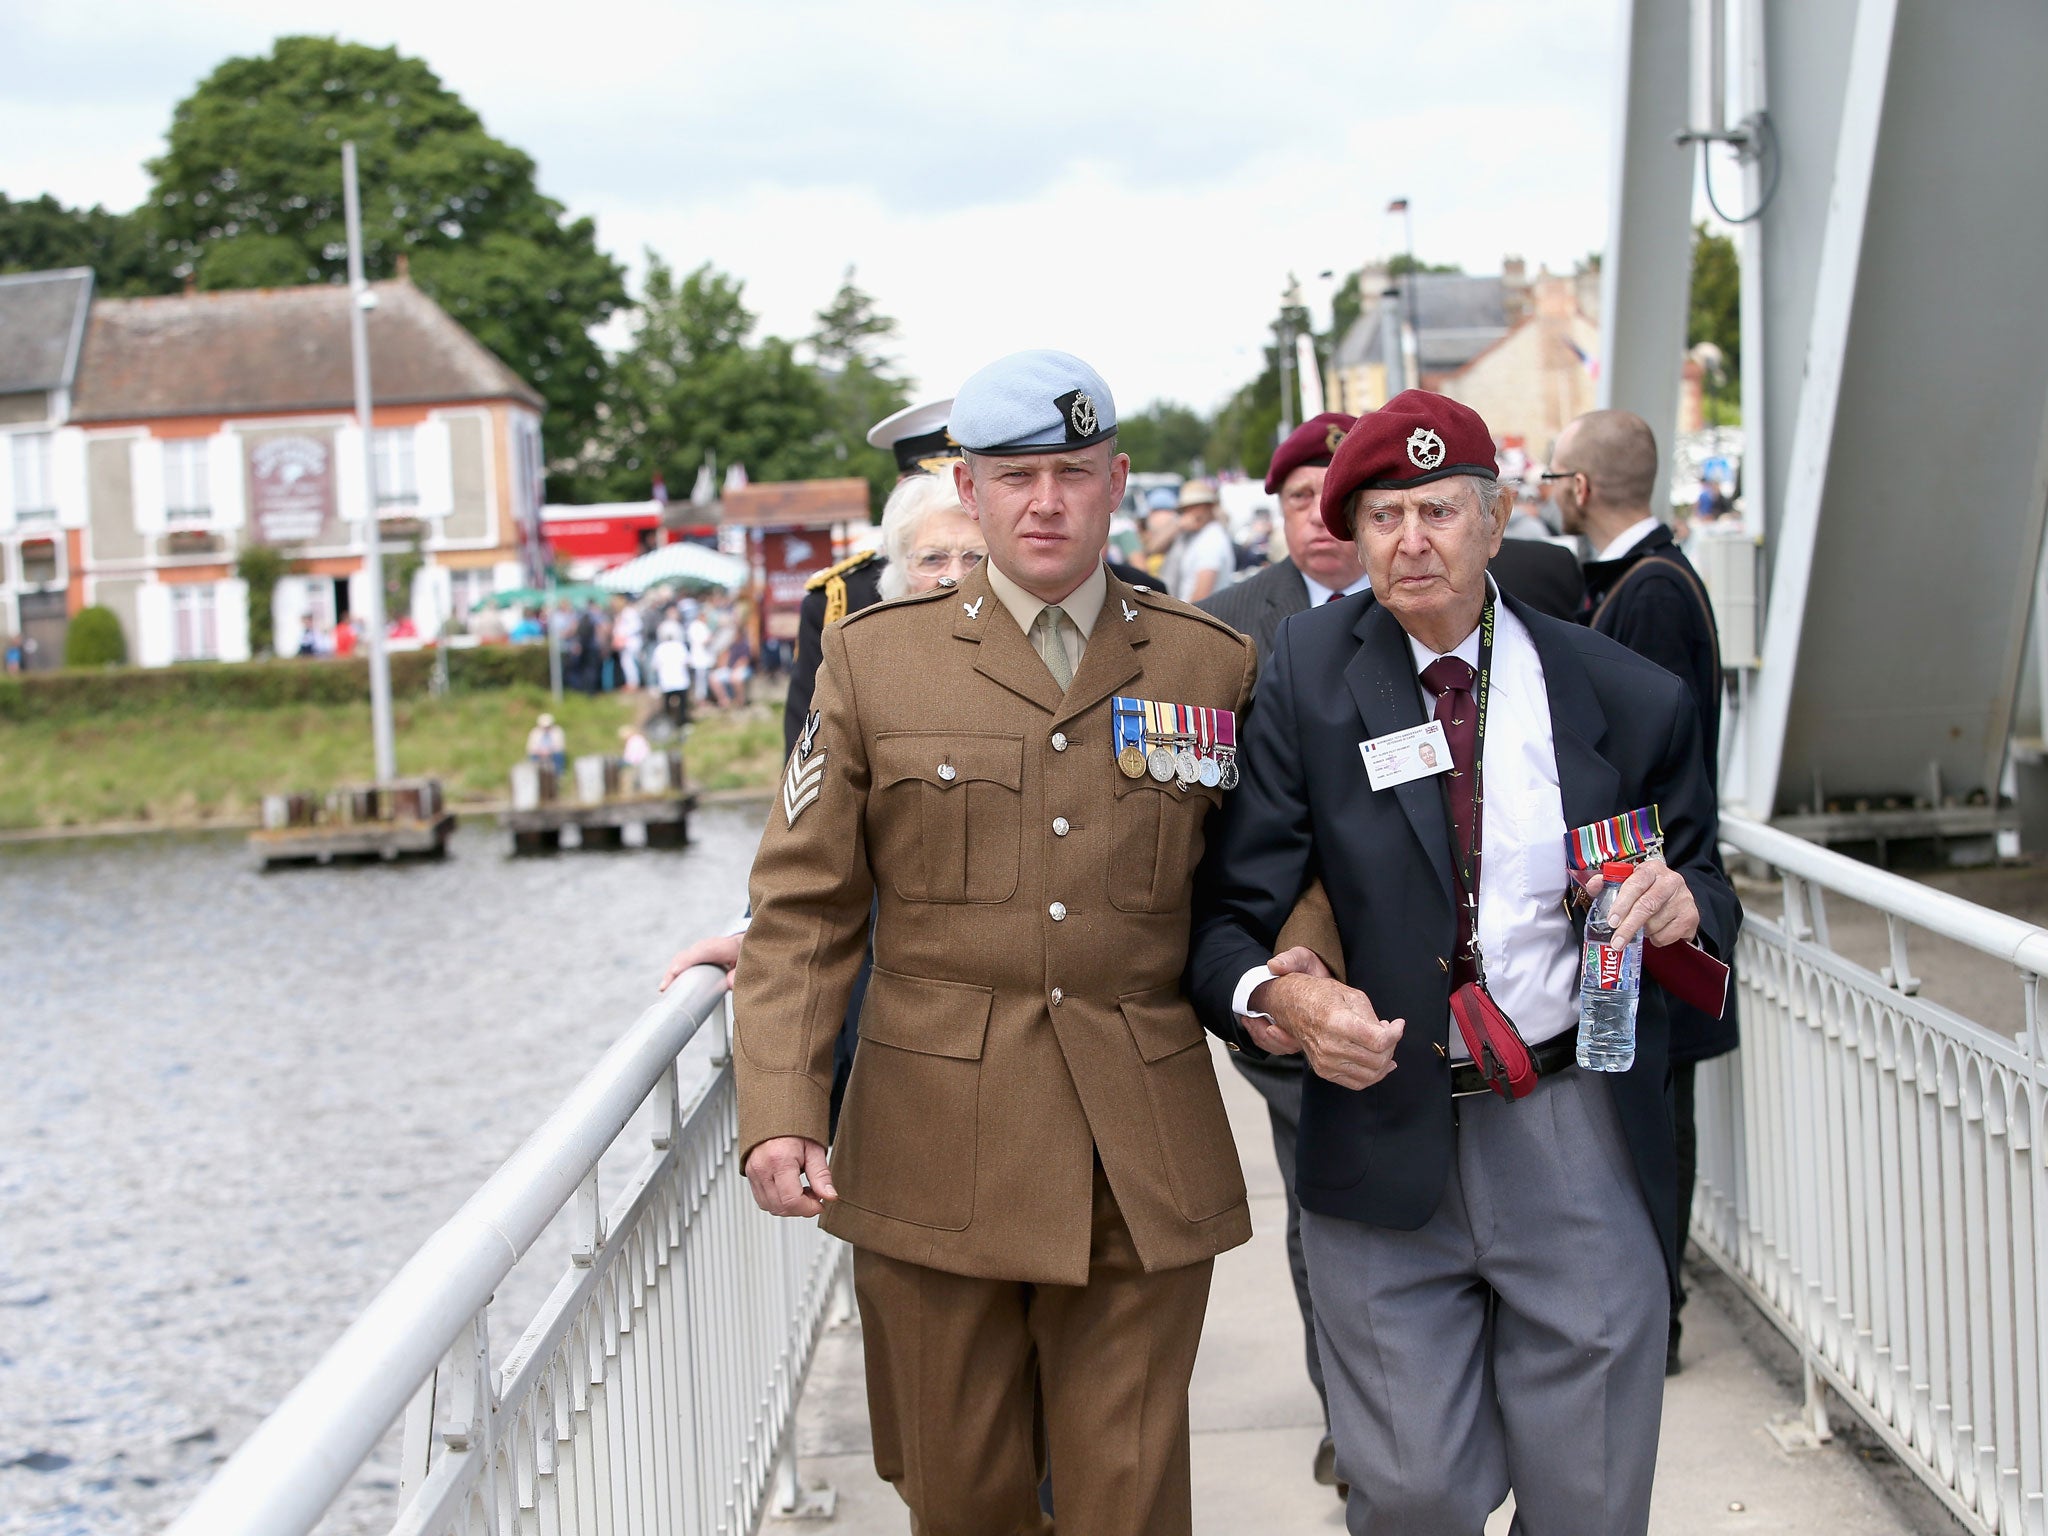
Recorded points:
(360, 302)
(1414, 358)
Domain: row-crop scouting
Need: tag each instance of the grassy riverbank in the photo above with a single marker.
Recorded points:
(193, 768)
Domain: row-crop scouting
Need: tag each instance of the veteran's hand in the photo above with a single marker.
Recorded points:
(720, 950)
(1345, 1040)
(1655, 902)
(778, 1169)
(1267, 1035)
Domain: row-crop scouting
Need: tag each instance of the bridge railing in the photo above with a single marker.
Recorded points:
(1872, 1173)
(654, 1392)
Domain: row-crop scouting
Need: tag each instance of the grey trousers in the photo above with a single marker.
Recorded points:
(1278, 1081)
(1515, 1341)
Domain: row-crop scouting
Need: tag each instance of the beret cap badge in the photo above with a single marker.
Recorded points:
(1082, 420)
(1416, 437)
(1333, 437)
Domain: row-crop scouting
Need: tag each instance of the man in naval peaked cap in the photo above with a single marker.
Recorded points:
(1016, 769)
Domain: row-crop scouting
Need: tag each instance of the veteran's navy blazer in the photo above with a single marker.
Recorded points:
(1626, 735)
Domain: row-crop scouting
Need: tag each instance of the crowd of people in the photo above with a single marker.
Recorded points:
(690, 651)
(1074, 820)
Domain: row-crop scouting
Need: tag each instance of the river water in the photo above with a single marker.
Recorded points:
(232, 1104)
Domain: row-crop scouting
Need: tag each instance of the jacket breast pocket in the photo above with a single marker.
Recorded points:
(1156, 835)
(951, 814)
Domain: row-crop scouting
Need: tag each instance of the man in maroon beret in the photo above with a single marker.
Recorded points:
(1489, 1272)
(1319, 568)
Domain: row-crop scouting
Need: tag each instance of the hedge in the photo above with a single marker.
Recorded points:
(80, 695)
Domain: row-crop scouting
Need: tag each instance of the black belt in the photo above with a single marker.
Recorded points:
(1553, 1055)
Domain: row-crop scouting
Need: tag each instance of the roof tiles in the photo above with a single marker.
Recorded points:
(265, 350)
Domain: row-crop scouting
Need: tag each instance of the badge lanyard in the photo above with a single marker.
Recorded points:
(1465, 866)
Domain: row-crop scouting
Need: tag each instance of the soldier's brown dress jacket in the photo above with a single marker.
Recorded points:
(1025, 1011)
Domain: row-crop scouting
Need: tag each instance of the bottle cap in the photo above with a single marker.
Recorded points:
(1616, 872)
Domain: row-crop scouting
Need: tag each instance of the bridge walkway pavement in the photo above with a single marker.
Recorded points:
(1721, 1471)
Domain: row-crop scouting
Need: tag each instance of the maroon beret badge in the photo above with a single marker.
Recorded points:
(1425, 448)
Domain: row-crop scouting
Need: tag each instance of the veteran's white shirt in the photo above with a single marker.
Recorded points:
(1530, 947)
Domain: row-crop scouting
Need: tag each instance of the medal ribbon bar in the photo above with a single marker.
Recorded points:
(1637, 834)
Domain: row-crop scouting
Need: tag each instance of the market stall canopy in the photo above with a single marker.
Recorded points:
(687, 565)
(538, 597)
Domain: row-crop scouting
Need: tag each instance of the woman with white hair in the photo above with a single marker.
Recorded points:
(926, 535)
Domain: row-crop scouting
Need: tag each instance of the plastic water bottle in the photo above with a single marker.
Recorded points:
(1610, 983)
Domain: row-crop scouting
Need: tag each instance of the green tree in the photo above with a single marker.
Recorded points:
(692, 385)
(39, 234)
(94, 639)
(1716, 313)
(261, 566)
(861, 381)
(1247, 429)
(248, 192)
(1164, 438)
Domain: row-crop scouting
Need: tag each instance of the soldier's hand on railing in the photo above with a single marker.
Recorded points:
(1344, 1038)
(1656, 902)
(721, 949)
(779, 1169)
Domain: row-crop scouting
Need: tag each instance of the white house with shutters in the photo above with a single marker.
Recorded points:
(204, 422)
(42, 457)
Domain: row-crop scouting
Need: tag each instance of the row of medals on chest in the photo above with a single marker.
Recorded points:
(1169, 755)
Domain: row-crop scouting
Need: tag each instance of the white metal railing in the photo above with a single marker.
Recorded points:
(1872, 1172)
(654, 1392)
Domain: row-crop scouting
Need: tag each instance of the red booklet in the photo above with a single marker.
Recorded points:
(1689, 974)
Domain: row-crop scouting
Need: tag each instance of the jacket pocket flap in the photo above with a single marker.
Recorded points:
(947, 758)
(1172, 788)
(917, 1013)
(1161, 1021)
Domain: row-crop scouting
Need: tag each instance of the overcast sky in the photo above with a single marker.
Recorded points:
(1132, 182)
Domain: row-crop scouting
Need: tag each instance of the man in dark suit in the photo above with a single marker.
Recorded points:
(1642, 591)
(1489, 1274)
(1545, 576)
(1319, 568)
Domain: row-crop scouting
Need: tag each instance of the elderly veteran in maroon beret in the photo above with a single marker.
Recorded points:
(1490, 1272)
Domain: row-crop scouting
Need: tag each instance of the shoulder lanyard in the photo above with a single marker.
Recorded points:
(1465, 861)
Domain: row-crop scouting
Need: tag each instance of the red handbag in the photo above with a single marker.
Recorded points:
(1496, 1046)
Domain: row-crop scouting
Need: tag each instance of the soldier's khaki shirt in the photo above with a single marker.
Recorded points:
(1024, 1015)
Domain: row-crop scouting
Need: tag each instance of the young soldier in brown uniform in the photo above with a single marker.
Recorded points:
(1033, 1162)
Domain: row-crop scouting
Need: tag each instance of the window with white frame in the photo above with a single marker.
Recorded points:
(188, 492)
(466, 589)
(194, 634)
(398, 480)
(35, 490)
(38, 562)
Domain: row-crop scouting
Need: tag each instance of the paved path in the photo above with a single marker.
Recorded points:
(1256, 1421)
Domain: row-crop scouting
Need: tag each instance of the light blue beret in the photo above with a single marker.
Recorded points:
(1033, 402)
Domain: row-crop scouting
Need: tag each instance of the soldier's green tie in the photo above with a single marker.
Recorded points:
(1051, 646)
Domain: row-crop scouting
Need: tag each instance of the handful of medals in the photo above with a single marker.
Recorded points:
(1184, 744)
